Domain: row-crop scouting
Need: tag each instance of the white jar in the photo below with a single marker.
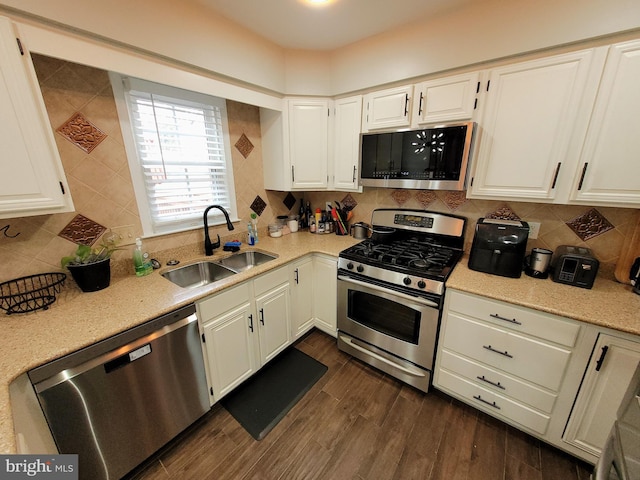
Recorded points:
(293, 224)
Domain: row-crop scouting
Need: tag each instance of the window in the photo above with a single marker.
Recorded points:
(178, 147)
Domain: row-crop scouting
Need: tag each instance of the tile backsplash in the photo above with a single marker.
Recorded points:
(83, 115)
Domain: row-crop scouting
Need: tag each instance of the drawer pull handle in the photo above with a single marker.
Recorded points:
(491, 349)
(510, 320)
(491, 404)
(495, 384)
(603, 354)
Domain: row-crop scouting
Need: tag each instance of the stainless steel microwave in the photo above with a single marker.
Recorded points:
(431, 158)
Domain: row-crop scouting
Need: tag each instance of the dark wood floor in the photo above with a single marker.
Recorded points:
(359, 424)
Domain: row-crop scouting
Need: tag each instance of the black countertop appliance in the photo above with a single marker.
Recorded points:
(499, 247)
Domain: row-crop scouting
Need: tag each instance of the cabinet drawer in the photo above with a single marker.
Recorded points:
(498, 381)
(525, 357)
(269, 280)
(220, 303)
(516, 318)
(492, 403)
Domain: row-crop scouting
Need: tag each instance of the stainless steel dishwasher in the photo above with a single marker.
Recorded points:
(116, 402)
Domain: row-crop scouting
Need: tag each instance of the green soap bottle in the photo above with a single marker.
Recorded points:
(141, 262)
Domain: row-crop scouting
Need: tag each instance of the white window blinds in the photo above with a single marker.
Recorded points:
(181, 145)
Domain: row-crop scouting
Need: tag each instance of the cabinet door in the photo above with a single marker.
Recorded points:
(609, 170)
(32, 180)
(534, 121)
(308, 127)
(274, 323)
(387, 108)
(301, 283)
(346, 138)
(446, 99)
(325, 306)
(610, 370)
(229, 347)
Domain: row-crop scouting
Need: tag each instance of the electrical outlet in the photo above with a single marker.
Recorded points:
(126, 234)
(534, 229)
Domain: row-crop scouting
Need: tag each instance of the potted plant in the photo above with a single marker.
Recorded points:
(91, 267)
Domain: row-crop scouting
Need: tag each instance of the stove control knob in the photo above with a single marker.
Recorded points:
(406, 281)
(350, 266)
(421, 284)
(360, 269)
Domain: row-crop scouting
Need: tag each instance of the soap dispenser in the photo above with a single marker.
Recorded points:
(141, 262)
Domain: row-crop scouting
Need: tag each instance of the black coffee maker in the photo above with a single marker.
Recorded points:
(499, 247)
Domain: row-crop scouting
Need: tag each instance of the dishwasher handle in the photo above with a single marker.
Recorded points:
(116, 358)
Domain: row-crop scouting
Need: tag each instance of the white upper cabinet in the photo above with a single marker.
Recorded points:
(446, 99)
(609, 167)
(32, 181)
(295, 145)
(308, 142)
(533, 126)
(388, 108)
(346, 142)
(306, 147)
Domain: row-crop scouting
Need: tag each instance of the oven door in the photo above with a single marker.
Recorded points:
(383, 321)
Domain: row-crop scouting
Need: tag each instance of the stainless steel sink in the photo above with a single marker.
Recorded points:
(198, 274)
(245, 260)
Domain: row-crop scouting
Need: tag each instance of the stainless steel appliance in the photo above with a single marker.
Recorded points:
(116, 402)
(433, 158)
(620, 457)
(390, 291)
(538, 262)
(499, 247)
(574, 266)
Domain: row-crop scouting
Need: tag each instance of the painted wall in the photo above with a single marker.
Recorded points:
(476, 33)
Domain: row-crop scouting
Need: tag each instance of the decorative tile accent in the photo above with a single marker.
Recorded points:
(589, 225)
(81, 132)
(244, 145)
(82, 230)
(348, 201)
(454, 199)
(426, 197)
(258, 205)
(289, 201)
(504, 212)
(401, 196)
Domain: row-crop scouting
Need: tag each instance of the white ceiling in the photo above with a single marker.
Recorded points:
(297, 25)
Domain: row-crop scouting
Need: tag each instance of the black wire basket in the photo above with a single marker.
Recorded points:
(26, 294)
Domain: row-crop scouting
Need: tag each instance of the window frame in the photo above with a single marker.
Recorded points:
(216, 217)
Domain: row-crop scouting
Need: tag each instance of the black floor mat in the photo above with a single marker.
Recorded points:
(264, 399)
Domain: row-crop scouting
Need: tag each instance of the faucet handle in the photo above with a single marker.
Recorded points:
(216, 244)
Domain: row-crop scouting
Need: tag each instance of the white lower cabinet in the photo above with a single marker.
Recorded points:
(516, 364)
(325, 309)
(612, 366)
(301, 279)
(243, 328)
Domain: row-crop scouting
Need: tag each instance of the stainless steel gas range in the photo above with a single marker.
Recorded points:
(391, 289)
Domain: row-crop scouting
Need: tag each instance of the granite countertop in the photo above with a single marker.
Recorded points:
(607, 304)
(80, 319)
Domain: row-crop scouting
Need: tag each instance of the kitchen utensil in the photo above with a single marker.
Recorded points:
(383, 234)
(360, 230)
(634, 275)
(537, 263)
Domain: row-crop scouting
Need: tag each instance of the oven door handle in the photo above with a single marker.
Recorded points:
(409, 371)
(388, 291)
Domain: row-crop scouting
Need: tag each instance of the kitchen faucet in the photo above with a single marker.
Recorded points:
(208, 246)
